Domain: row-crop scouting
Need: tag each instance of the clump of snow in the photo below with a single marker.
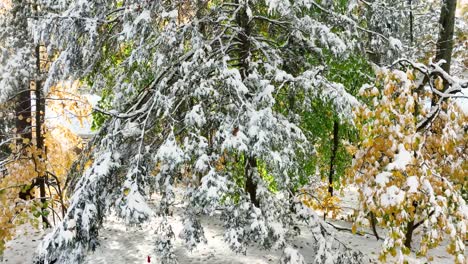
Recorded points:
(392, 197)
(145, 16)
(402, 159)
(133, 207)
(292, 256)
(171, 14)
(364, 88)
(412, 183)
(170, 153)
(395, 44)
(383, 178)
(196, 117)
(131, 129)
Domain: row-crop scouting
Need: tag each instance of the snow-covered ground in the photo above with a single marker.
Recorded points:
(121, 244)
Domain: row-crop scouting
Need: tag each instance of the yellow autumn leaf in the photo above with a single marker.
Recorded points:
(452, 116)
(410, 75)
(439, 84)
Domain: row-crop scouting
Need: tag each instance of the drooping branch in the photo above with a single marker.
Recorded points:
(453, 89)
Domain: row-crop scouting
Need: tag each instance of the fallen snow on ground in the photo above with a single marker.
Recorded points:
(20, 249)
(127, 245)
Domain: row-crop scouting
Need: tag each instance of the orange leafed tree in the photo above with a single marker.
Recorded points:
(27, 163)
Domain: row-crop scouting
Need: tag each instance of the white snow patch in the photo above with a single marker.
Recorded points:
(395, 44)
(131, 129)
(383, 178)
(392, 197)
(402, 159)
(413, 184)
(145, 16)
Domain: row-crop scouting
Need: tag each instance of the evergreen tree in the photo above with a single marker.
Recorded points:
(193, 87)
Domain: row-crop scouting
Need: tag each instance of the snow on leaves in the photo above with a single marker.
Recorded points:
(17, 63)
(77, 232)
(292, 256)
(405, 171)
(203, 88)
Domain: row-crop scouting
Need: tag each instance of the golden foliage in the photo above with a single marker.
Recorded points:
(319, 199)
(61, 148)
(65, 100)
(405, 175)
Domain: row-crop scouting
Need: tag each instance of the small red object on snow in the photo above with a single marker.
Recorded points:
(149, 259)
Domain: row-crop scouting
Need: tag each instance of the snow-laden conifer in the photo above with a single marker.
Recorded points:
(195, 89)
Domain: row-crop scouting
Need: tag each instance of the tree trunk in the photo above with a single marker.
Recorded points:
(443, 52)
(23, 100)
(409, 234)
(336, 142)
(24, 131)
(374, 225)
(411, 19)
(444, 45)
(244, 38)
(23, 115)
(374, 55)
(445, 41)
(242, 20)
(40, 111)
(250, 184)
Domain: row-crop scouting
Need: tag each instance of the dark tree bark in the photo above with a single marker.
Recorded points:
(410, 229)
(242, 20)
(409, 234)
(374, 55)
(244, 38)
(23, 114)
(374, 225)
(23, 130)
(250, 184)
(23, 98)
(39, 117)
(336, 141)
(445, 41)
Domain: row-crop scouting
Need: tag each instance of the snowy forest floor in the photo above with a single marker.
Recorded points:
(127, 245)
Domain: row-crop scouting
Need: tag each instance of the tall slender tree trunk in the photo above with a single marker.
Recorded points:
(374, 55)
(39, 117)
(41, 179)
(23, 129)
(23, 99)
(410, 227)
(336, 141)
(23, 114)
(445, 41)
(373, 222)
(242, 20)
(411, 21)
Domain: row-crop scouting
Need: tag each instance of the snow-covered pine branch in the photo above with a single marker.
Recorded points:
(204, 87)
